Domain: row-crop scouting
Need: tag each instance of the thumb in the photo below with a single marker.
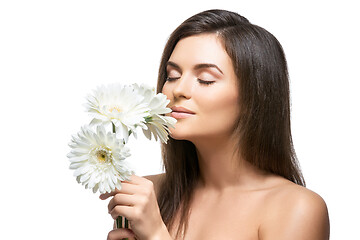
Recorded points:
(107, 195)
(118, 234)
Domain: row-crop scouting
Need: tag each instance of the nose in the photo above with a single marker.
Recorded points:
(183, 87)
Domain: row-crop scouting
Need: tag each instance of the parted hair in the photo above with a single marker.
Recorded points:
(263, 128)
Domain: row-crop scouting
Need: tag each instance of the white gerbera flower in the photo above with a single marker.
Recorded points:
(98, 159)
(119, 106)
(146, 91)
(157, 124)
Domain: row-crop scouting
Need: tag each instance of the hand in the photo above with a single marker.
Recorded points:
(137, 202)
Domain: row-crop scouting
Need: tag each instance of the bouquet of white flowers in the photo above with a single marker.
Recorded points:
(98, 152)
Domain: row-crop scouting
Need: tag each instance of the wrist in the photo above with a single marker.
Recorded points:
(161, 234)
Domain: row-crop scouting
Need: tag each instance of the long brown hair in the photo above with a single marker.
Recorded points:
(263, 128)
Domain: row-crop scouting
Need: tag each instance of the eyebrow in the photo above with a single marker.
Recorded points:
(197, 66)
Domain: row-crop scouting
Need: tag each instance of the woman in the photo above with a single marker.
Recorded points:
(230, 167)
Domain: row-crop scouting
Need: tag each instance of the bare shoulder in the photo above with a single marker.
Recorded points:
(294, 212)
(156, 180)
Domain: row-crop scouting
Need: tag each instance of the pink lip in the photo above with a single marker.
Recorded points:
(181, 112)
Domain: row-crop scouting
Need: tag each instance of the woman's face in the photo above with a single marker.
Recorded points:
(202, 89)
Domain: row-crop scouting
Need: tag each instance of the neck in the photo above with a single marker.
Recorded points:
(221, 166)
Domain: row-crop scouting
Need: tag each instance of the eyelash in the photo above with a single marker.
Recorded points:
(168, 79)
(205, 82)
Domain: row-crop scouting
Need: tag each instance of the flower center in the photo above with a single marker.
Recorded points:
(115, 109)
(102, 155)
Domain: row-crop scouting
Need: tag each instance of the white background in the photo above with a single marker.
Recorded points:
(53, 53)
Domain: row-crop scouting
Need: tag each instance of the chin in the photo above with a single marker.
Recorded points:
(180, 135)
(177, 137)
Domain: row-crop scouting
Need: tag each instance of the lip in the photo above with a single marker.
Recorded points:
(179, 112)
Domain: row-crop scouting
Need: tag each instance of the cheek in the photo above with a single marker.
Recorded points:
(221, 108)
(166, 91)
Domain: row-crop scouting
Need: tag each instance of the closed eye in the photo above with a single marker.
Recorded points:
(169, 79)
(205, 82)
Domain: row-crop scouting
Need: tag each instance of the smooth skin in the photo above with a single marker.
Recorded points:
(137, 202)
(233, 199)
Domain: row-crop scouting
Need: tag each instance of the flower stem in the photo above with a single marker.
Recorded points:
(119, 224)
(119, 220)
(113, 127)
(126, 223)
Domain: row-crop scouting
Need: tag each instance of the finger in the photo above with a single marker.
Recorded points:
(138, 185)
(105, 196)
(127, 188)
(124, 211)
(121, 199)
(137, 180)
(118, 234)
